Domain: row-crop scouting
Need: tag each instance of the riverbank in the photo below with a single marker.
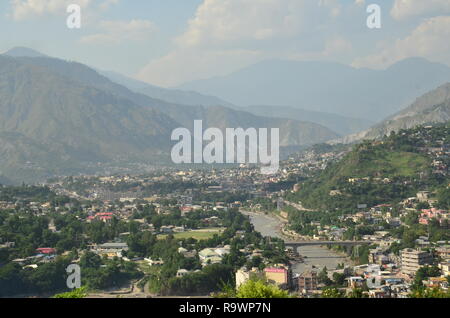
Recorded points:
(313, 256)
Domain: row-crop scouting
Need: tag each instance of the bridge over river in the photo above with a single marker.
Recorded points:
(315, 253)
(321, 243)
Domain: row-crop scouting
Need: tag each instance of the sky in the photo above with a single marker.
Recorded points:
(170, 42)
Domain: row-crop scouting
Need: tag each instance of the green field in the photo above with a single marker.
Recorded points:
(380, 161)
(407, 164)
(203, 234)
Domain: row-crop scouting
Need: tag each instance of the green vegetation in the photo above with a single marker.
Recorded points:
(332, 293)
(100, 273)
(422, 274)
(202, 281)
(46, 279)
(259, 289)
(76, 293)
(444, 198)
(196, 235)
(253, 288)
(377, 172)
(430, 293)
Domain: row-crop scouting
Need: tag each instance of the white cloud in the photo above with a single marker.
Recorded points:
(403, 9)
(228, 22)
(106, 4)
(115, 32)
(24, 9)
(225, 35)
(428, 40)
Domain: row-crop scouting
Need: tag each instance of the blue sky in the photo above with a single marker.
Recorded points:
(168, 42)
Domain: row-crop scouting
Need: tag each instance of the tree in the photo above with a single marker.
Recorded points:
(356, 293)
(430, 293)
(332, 293)
(259, 289)
(444, 198)
(76, 293)
(90, 260)
(422, 205)
(339, 279)
(423, 273)
(322, 277)
(11, 281)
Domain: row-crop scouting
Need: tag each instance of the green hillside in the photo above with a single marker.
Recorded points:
(63, 118)
(377, 172)
(369, 160)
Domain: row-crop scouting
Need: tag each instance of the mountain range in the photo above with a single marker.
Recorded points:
(327, 87)
(169, 95)
(431, 108)
(59, 117)
(340, 124)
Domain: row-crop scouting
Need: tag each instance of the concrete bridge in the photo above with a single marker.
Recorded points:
(348, 244)
(316, 243)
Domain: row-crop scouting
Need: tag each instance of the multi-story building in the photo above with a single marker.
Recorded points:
(444, 252)
(307, 282)
(279, 275)
(413, 259)
(244, 274)
(445, 268)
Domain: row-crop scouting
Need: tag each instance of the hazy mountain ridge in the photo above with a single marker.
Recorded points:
(169, 95)
(76, 123)
(327, 87)
(431, 108)
(145, 94)
(23, 51)
(340, 124)
(185, 114)
(59, 117)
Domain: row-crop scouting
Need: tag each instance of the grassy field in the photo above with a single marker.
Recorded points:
(203, 234)
(147, 269)
(383, 162)
(407, 164)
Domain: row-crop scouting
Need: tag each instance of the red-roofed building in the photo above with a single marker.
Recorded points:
(46, 250)
(278, 275)
(428, 214)
(186, 209)
(103, 216)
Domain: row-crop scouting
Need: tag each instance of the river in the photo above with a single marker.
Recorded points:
(317, 256)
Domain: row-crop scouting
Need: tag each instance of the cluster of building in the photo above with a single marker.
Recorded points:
(388, 278)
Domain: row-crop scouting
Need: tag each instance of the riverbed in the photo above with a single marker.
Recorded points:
(314, 256)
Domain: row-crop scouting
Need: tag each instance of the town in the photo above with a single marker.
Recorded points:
(192, 232)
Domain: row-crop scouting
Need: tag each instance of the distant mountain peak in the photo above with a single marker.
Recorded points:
(20, 51)
(328, 87)
(413, 62)
(431, 108)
